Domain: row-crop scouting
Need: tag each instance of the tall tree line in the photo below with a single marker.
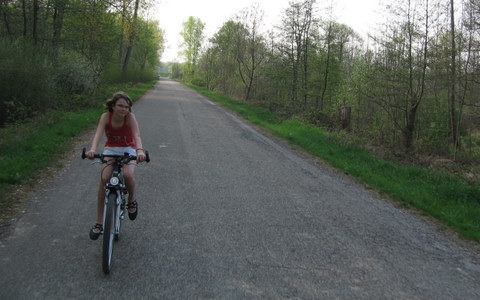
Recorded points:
(414, 87)
(52, 50)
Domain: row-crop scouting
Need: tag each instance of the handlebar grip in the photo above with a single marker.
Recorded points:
(148, 157)
(84, 154)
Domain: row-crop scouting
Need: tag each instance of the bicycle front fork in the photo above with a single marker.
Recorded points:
(123, 205)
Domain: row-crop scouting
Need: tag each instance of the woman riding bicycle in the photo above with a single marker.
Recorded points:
(123, 135)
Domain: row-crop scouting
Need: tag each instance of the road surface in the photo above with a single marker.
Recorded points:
(228, 212)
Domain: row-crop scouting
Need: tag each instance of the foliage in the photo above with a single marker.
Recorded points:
(57, 51)
(401, 89)
(37, 81)
(193, 37)
(149, 44)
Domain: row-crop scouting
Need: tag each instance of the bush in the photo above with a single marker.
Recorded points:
(24, 78)
(198, 81)
(72, 74)
(35, 80)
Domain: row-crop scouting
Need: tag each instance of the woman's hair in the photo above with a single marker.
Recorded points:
(113, 101)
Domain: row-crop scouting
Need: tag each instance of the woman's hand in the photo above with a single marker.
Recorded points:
(90, 154)
(141, 155)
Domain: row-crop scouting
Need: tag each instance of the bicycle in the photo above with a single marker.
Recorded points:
(115, 203)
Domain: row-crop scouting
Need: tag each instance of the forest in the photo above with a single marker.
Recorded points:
(57, 54)
(411, 87)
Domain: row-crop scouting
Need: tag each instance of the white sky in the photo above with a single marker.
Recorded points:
(361, 15)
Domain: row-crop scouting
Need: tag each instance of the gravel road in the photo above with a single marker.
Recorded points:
(228, 212)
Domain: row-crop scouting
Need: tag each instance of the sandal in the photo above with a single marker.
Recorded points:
(132, 215)
(94, 234)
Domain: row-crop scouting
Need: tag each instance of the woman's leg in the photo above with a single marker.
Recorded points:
(128, 175)
(104, 177)
(100, 202)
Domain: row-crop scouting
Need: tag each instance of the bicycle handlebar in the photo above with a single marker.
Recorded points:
(126, 155)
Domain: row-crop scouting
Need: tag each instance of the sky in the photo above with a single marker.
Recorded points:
(361, 15)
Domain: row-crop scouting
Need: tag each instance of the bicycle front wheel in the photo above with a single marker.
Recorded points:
(118, 220)
(108, 232)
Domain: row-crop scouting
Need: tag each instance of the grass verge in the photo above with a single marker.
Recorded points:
(30, 147)
(452, 200)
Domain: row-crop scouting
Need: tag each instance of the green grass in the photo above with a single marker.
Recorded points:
(40, 142)
(449, 198)
(28, 148)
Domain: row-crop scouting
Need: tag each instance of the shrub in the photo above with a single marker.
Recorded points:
(35, 80)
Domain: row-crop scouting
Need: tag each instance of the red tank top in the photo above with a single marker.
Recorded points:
(121, 137)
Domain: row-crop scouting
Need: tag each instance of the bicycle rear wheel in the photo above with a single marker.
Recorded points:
(108, 233)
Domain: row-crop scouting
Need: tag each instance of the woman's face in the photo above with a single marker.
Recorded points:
(121, 107)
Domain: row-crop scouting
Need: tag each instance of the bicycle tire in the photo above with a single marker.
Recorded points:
(108, 233)
(118, 222)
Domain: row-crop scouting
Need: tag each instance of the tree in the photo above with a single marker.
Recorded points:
(131, 38)
(472, 62)
(226, 45)
(209, 68)
(453, 76)
(251, 50)
(192, 43)
(4, 15)
(403, 64)
(59, 10)
(36, 9)
(149, 45)
(296, 24)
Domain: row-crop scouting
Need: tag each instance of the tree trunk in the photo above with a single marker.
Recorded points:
(122, 36)
(410, 127)
(453, 71)
(35, 21)
(58, 23)
(305, 43)
(415, 95)
(131, 39)
(24, 14)
(3, 9)
(345, 117)
(327, 68)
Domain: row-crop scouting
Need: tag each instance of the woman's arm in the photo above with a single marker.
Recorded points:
(98, 135)
(133, 124)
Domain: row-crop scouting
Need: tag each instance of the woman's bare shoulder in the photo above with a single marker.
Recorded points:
(104, 117)
(131, 117)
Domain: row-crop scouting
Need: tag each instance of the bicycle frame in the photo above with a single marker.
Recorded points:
(117, 186)
(115, 203)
